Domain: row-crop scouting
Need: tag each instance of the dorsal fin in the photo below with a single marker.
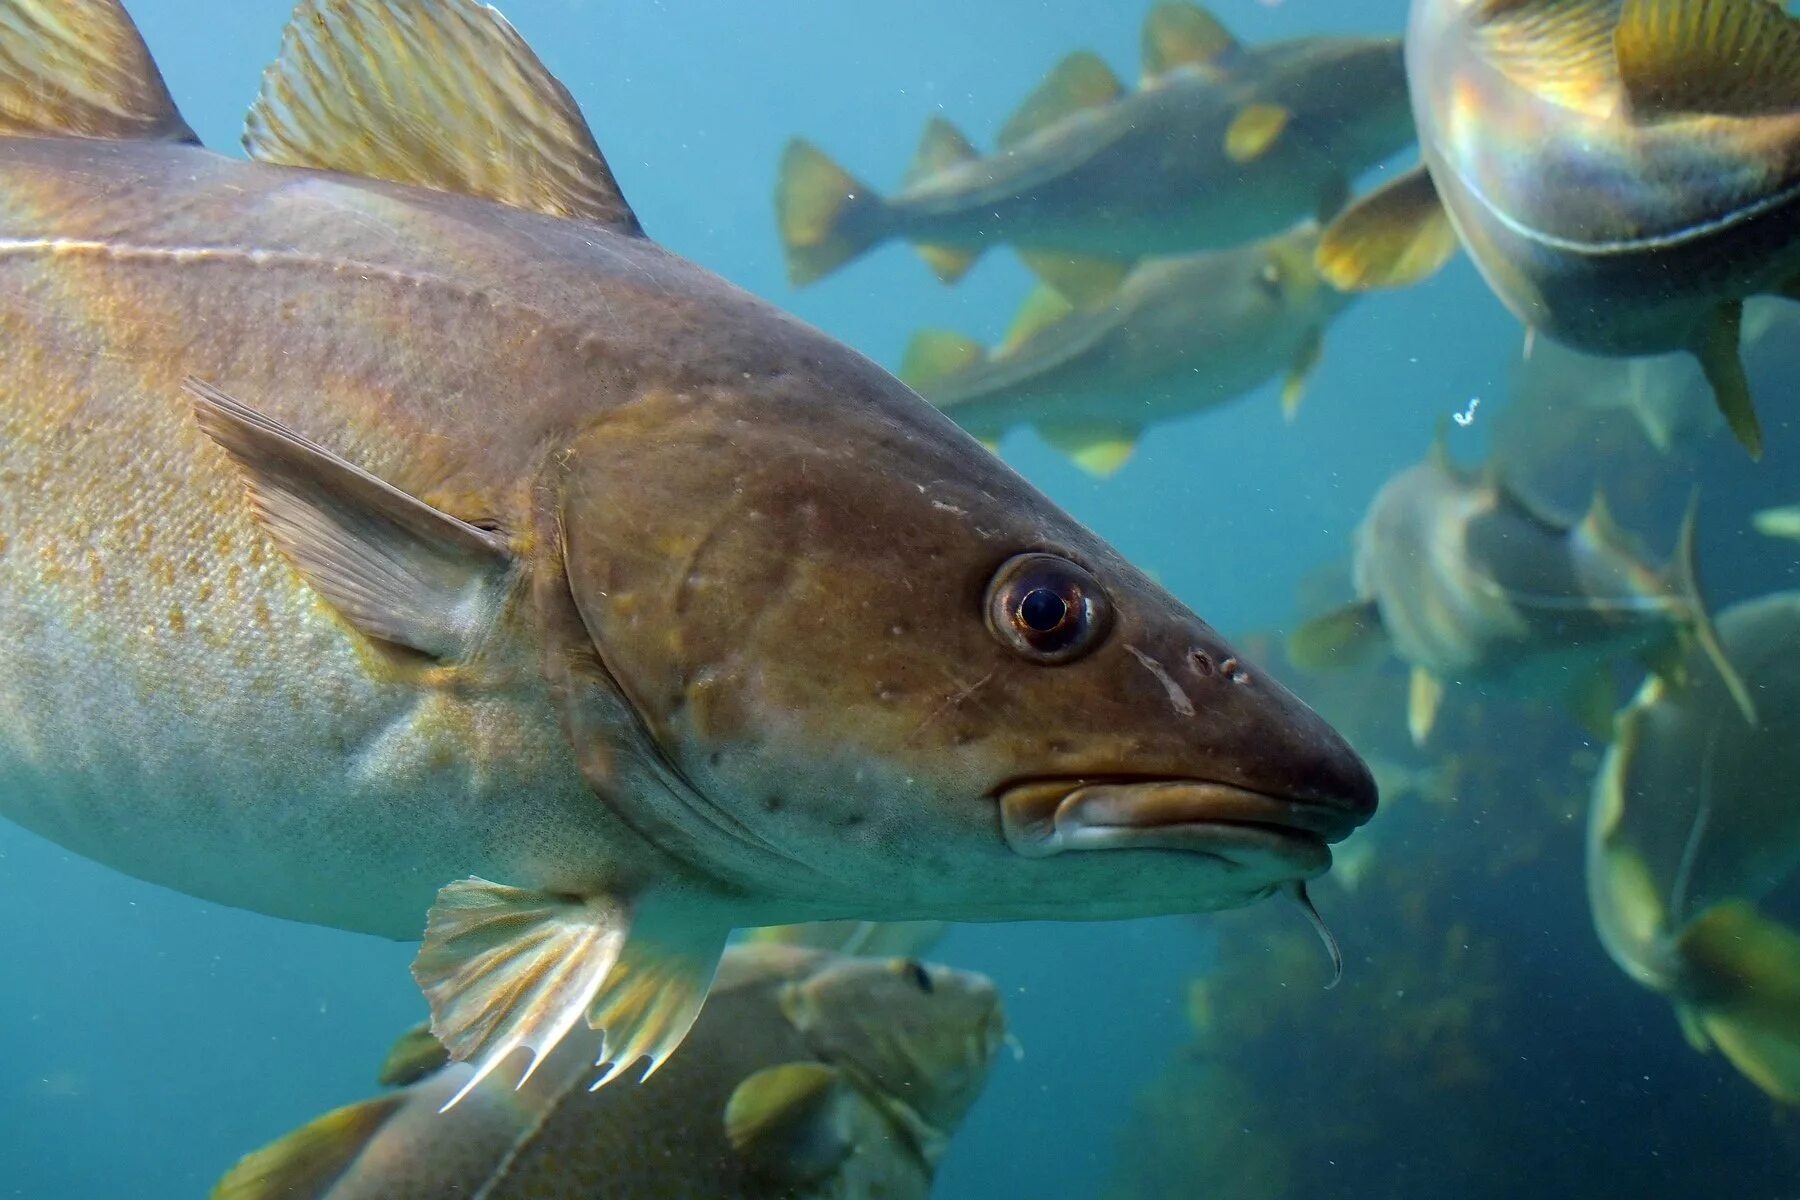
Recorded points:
(1601, 526)
(1737, 58)
(943, 146)
(1079, 81)
(1044, 307)
(440, 94)
(81, 70)
(1178, 34)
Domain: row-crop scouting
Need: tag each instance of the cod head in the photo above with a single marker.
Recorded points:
(888, 679)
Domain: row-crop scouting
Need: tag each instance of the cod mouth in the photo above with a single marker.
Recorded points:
(1042, 817)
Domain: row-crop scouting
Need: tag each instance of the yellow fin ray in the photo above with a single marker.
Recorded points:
(1293, 388)
(934, 356)
(1737, 58)
(1724, 370)
(1098, 449)
(414, 1055)
(1080, 81)
(1394, 237)
(948, 263)
(789, 1120)
(81, 70)
(941, 147)
(307, 1163)
(1424, 697)
(1254, 131)
(820, 209)
(1085, 281)
(444, 95)
(1344, 637)
(1043, 309)
(1747, 992)
(1178, 34)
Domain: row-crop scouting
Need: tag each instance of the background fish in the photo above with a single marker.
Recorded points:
(1625, 173)
(1223, 144)
(1467, 582)
(810, 1075)
(508, 559)
(1180, 335)
(1693, 825)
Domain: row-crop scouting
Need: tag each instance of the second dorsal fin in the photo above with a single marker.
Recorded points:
(1080, 81)
(81, 70)
(440, 94)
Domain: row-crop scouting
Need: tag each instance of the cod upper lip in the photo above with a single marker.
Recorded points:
(1047, 816)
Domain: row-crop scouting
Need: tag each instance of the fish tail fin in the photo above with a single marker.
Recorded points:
(81, 70)
(826, 215)
(936, 355)
(1744, 974)
(1685, 579)
(307, 1163)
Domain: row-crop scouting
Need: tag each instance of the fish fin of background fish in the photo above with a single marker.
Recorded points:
(1343, 637)
(442, 95)
(1684, 571)
(1424, 697)
(826, 215)
(505, 968)
(1099, 449)
(1601, 528)
(1592, 701)
(789, 1121)
(81, 70)
(905, 939)
(1080, 81)
(1746, 973)
(1396, 236)
(414, 1055)
(393, 566)
(941, 147)
(1085, 280)
(1737, 58)
(1306, 361)
(307, 1163)
(1655, 421)
(935, 356)
(1044, 308)
(948, 263)
(1724, 369)
(1178, 34)
(1783, 522)
(1255, 130)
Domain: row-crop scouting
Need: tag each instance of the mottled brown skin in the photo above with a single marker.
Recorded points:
(774, 551)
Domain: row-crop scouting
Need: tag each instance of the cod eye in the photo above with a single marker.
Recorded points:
(1047, 608)
(915, 971)
(1270, 277)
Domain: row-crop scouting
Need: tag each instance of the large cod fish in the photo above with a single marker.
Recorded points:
(809, 1077)
(1180, 335)
(495, 564)
(1693, 825)
(1465, 580)
(1223, 144)
(1625, 173)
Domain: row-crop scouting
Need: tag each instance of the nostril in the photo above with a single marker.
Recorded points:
(1234, 671)
(1201, 661)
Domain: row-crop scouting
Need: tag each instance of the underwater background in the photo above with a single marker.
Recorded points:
(1481, 1041)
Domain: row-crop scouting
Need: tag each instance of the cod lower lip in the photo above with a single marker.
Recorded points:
(1049, 817)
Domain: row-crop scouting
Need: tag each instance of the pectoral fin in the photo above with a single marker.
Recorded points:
(1783, 522)
(1724, 368)
(414, 1055)
(1293, 389)
(443, 95)
(789, 1121)
(1745, 972)
(506, 968)
(81, 70)
(1098, 449)
(1424, 698)
(306, 1164)
(396, 568)
(1341, 638)
(1254, 131)
(1394, 237)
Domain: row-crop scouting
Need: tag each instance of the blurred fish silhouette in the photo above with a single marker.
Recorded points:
(1467, 581)
(810, 1076)
(1694, 823)
(1179, 336)
(1223, 144)
(1625, 173)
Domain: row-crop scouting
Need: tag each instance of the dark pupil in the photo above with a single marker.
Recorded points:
(1042, 609)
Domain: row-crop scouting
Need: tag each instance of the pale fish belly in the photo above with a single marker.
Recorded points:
(176, 703)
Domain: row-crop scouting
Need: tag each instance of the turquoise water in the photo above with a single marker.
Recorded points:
(150, 1039)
